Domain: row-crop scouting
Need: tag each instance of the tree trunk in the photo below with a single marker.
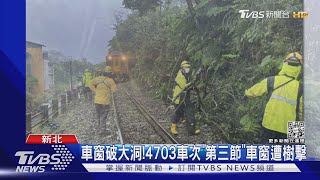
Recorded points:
(193, 14)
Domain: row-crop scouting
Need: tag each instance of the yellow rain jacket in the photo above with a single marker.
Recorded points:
(181, 84)
(103, 87)
(86, 78)
(285, 103)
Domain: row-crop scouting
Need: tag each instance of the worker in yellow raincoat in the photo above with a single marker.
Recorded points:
(285, 98)
(86, 78)
(104, 87)
(181, 99)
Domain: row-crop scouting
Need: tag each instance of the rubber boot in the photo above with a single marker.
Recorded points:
(174, 129)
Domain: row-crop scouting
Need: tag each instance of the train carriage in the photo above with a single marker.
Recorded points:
(120, 65)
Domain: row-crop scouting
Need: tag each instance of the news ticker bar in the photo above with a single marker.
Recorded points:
(191, 153)
(190, 168)
(173, 153)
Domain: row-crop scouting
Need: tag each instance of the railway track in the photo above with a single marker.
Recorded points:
(119, 132)
(135, 128)
(166, 136)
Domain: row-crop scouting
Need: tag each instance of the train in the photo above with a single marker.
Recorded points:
(120, 63)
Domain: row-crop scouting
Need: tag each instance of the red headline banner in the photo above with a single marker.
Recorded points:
(52, 139)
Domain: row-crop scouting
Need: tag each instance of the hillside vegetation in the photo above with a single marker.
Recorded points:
(232, 53)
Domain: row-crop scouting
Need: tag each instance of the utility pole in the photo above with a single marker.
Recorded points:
(70, 73)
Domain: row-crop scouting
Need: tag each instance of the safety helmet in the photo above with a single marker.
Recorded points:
(108, 69)
(185, 64)
(294, 59)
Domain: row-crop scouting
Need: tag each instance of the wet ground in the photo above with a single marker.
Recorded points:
(80, 119)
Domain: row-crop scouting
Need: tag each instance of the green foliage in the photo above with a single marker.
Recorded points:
(248, 124)
(233, 54)
(33, 100)
(63, 75)
(142, 6)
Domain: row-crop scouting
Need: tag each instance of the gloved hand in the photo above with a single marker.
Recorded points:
(189, 84)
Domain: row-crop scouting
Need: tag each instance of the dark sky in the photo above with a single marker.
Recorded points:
(77, 28)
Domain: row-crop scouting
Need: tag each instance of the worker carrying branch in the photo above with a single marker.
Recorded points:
(285, 98)
(103, 86)
(181, 100)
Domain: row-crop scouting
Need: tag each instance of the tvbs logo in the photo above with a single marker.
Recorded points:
(28, 162)
(300, 15)
(252, 14)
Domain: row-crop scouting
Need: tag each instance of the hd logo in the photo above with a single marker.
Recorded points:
(31, 162)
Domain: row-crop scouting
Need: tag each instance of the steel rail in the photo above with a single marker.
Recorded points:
(116, 120)
(161, 131)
